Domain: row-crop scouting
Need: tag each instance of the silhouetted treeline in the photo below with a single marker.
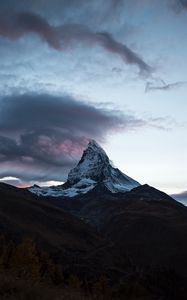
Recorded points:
(28, 273)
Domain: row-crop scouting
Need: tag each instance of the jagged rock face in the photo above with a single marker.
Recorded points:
(94, 165)
(93, 169)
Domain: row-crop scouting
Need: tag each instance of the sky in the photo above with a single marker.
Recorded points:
(74, 70)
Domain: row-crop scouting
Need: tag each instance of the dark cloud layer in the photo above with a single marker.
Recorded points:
(182, 3)
(14, 26)
(17, 25)
(178, 5)
(72, 33)
(43, 132)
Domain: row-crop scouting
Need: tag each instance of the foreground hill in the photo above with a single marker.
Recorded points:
(68, 239)
(145, 224)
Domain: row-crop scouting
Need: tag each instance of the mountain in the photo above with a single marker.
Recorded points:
(22, 214)
(145, 224)
(66, 238)
(136, 238)
(94, 169)
(102, 222)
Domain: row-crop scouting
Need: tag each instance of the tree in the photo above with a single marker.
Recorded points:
(101, 289)
(25, 261)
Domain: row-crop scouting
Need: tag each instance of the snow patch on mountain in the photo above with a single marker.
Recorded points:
(81, 187)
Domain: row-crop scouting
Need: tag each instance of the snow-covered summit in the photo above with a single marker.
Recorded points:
(93, 164)
(93, 169)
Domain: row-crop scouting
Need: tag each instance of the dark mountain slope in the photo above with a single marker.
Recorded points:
(67, 238)
(145, 224)
(22, 214)
(151, 232)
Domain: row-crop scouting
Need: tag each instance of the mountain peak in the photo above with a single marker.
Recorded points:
(91, 165)
(93, 169)
(94, 145)
(94, 152)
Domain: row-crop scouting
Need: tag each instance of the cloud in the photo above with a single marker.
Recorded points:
(19, 24)
(22, 183)
(42, 136)
(181, 197)
(14, 26)
(182, 3)
(116, 4)
(153, 86)
(72, 33)
(10, 180)
(178, 5)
